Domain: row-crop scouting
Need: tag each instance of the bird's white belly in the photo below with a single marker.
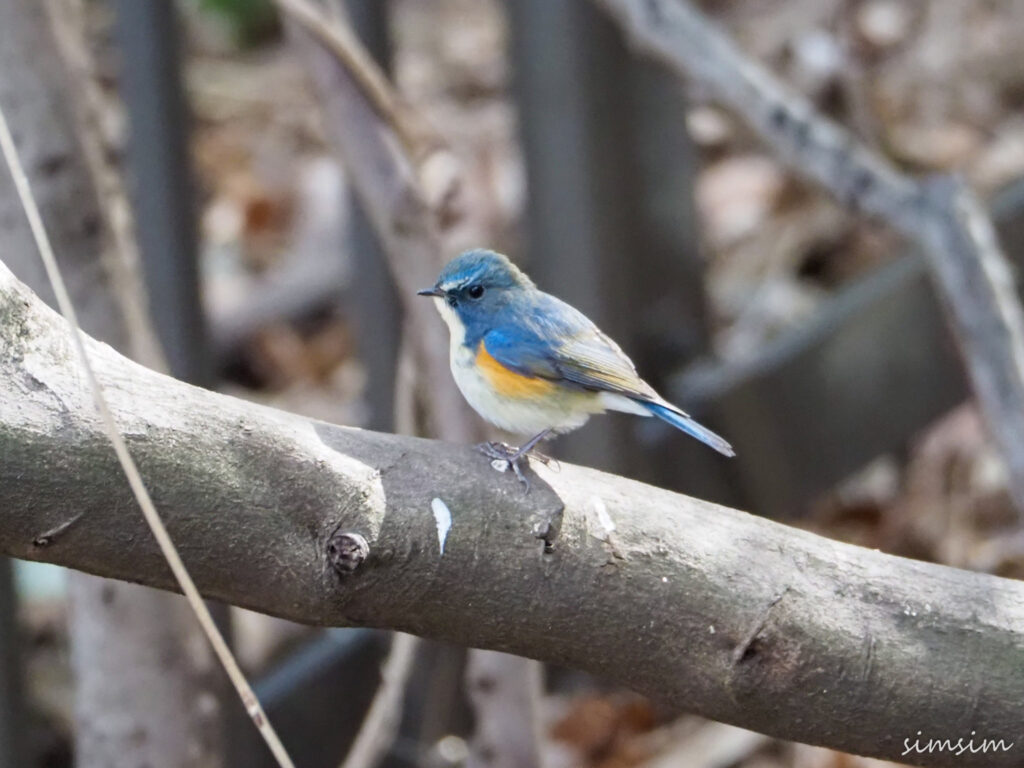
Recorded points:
(526, 416)
(562, 411)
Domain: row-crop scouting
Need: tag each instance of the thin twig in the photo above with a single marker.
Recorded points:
(66, 21)
(413, 131)
(408, 210)
(170, 552)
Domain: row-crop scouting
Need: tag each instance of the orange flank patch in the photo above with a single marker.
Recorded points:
(509, 383)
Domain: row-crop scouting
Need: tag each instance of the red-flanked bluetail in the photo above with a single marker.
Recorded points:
(533, 365)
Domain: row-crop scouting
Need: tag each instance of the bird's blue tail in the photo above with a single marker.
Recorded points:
(681, 421)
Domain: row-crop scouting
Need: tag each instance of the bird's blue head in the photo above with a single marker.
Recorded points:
(474, 289)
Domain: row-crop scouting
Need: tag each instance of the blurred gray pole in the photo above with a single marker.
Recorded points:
(134, 651)
(159, 172)
(611, 220)
(161, 182)
(12, 716)
(375, 305)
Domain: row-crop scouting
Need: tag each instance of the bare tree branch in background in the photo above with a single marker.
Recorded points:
(409, 185)
(714, 611)
(941, 215)
(122, 260)
(417, 136)
(408, 213)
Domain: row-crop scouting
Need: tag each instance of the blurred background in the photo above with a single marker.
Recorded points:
(809, 337)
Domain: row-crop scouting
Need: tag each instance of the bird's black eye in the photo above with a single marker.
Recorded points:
(476, 291)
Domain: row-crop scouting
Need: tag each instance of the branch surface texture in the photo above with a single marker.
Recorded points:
(712, 610)
(939, 214)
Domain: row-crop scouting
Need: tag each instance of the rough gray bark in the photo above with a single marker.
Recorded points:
(717, 612)
(941, 215)
(134, 706)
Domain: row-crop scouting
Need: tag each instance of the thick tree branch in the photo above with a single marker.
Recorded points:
(718, 612)
(941, 215)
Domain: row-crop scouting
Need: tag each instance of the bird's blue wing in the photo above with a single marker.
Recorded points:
(522, 351)
(555, 341)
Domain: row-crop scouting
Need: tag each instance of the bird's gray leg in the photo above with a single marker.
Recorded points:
(514, 456)
(529, 445)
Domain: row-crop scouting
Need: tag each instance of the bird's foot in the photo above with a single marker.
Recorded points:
(511, 456)
(543, 458)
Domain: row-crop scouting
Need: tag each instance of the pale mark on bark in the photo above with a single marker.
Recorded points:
(443, 518)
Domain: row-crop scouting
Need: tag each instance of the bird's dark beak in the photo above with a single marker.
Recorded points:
(435, 291)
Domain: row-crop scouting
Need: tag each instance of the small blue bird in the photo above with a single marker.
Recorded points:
(531, 364)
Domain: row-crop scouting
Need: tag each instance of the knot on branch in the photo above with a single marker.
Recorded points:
(346, 551)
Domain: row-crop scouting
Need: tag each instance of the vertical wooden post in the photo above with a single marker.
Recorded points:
(12, 719)
(375, 303)
(611, 221)
(161, 183)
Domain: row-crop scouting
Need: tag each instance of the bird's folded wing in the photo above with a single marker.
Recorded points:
(583, 358)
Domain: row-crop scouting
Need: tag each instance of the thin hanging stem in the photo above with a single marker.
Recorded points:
(170, 552)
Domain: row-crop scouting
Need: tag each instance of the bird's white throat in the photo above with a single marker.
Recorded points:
(460, 356)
